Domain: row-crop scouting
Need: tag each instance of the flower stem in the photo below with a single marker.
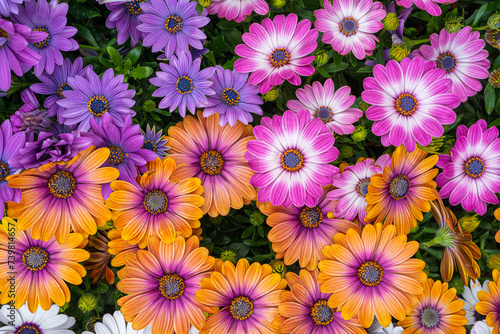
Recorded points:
(480, 28)
(419, 41)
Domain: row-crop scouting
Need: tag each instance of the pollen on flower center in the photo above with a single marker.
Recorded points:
(134, 7)
(362, 187)
(98, 105)
(4, 170)
(325, 114)
(173, 24)
(28, 328)
(116, 156)
(35, 258)
(280, 57)
(292, 160)
(447, 61)
(149, 145)
(42, 44)
(230, 97)
(429, 317)
(211, 162)
(171, 286)
(62, 184)
(370, 273)
(310, 217)
(399, 187)
(62, 88)
(184, 85)
(349, 26)
(322, 314)
(474, 167)
(155, 202)
(406, 104)
(241, 308)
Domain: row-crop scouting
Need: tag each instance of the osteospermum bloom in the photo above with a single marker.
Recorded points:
(350, 25)
(92, 97)
(437, 311)
(471, 299)
(182, 84)
(172, 26)
(124, 17)
(234, 98)
(41, 267)
(100, 259)
(372, 274)
(215, 155)
(50, 17)
(351, 187)
(237, 10)
(304, 309)
(300, 233)
(481, 327)
(247, 297)
(155, 141)
(462, 56)
(489, 302)
(471, 173)
(430, 6)
(276, 51)
(119, 248)
(9, 6)
(410, 101)
(402, 192)
(116, 324)
(497, 216)
(60, 197)
(291, 159)
(31, 117)
(165, 280)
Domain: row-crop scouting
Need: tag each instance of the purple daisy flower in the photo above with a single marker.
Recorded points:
(14, 50)
(332, 107)
(471, 173)
(234, 98)
(10, 144)
(291, 159)
(92, 97)
(125, 18)
(155, 141)
(31, 117)
(172, 25)
(55, 84)
(9, 6)
(237, 10)
(50, 18)
(125, 143)
(182, 84)
(410, 102)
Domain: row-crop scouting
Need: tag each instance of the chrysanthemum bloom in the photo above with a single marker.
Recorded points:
(182, 84)
(50, 17)
(304, 309)
(22, 321)
(124, 17)
(92, 97)
(56, 83)
(155, 141)
(172, 26)
(60, 197)
(402, 192)
(215, 155)
(164, 280)
(31, 117)
(119, 248)
(247, 297)
(100, 258)
(332, 107)
(237, 10)
(159, 206)
(234, 99)
(291, 159)
(116, 324)
(470, 300)
(431, 6)
(372, 274)
(493, 38)
(41, 267)
(489, 302)
(350, 25)
(9, 6)
(276, 51)
(410, 102)
(300, 233)
(351, 187)
(462, 56)
(437, 311)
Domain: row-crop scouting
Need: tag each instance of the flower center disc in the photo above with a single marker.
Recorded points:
(406, 104)
(149, 145)
(184, 85)
(173, 24)
(28, 328)
(155, 202)
(35, 258)
(399, 187)
(310, 217)
(116, 156)
(325, 114)
(42, 44)
(241, 308)
(429, 317)
(4, 171)
(98, 105)
(134, 7)
(211, 162)
(474, 167)
(322, 314)
(62, 184)
(292, 160)
(171, 286)
(280, 57)
(478, 316)
(62, 88)
(349, 26)
(370, 273)
(447, 61)
(362, 187)
(230, 97)
(3, 34)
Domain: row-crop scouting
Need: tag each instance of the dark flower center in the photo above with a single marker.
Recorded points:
(134, 7)
(116, 156)
(62, 88)
(322, 314)
(447, 61)
(349, 26)
(370, 273)
(35, 258)
(230, 97)
(241, 308)
(478, 316)
(406, 104)
(98, 105)
(292, 160)
(211, 162)
(171, 286)
(4, 170)
(28, 328)
(42, 44)
(325, 114)
(62, 184)
(280, 57)
(155, 202)
(149, 145)
(362, 187)
(429, 317)
(173, 24)
(474, 167)
(310, 217)
(399, 187)
(184, 85)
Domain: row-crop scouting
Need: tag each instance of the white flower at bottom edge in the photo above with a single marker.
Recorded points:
(470, 299)
(116, 324)
(481, 328)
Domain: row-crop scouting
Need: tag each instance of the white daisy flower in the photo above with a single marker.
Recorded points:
(481, 328)
(470, 299)
(392, 329)
(116, 324)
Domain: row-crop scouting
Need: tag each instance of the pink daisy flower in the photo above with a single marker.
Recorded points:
(463, 57)
(410, 102)
(237, 10)
(277, 50)
(471, 173)
(291, 159)
(431, 6)
(332, 107)
(350, 25)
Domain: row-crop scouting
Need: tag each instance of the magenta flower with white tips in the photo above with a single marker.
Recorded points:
(410, 102)
(237, 10)
(276, 51)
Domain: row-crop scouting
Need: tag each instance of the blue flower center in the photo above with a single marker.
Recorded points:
(280, 57)
(292, 160)
(62, 184)
(370, 273)
(211, 162)
(149, 145)
(98, 105)
(241, 308)
(230, 97)
(134, 7)
(406, 104)
(310, 217)
(429, 317)
(156, 202)
(349, 26)
(362, 187)
(399, 187)
(116, 156)
(42, 44)
(62, 88)
(173, 24)
(3, 34)
(28, 328)
(4, 170)
(474, 167)
(325, 114)
(447, 61)
(171, 286)
(321, 313)
(35, 258)
(184, 85)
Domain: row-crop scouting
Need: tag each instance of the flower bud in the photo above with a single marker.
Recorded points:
(494, 78)
(391, 21)
(278, 3)
(494, 261)
(87, 302)
(398, 52)
(469, 223)
(346, 152)
(434, 146)
(257, 218)
(278, 267)
(149, 105)
(492, 36)
(229, 255)
(457, 283)
(363, 105)
(494, 21)
(321, 57)
(271, 95)
(204, 3)
(454, 24)
(359, 133)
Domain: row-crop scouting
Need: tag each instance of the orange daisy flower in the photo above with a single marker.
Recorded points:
(119, 248)
(489, 303)
(497, 216)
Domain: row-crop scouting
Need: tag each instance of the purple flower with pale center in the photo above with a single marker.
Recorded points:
(91, 98)
(9, 6)
(237, 10)
(51, 19)
(125, 18)
(172, 26)
(276, 51)
(291, 159)
(56, 83)
(234, 98)
(332, 107)
(31, 117)
(471, 172)
(410, 102)
(182, 84)
(155, 141)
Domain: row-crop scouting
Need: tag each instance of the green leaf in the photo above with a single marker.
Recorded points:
(332, 68)
(210, 56)
(106, 62)
(480, 13)
(127, 66)
(114, 55)
(141, 72)
(262, 257)
(83, 11)
(365, 69)
(323, 72)
(247, 232)
(226, 25)
(218, 45)
(489, 99)
(134, 54)
(84, 33)
(261, 231)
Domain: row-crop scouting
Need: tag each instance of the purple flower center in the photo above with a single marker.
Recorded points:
(62, 88)
(325, 114)
(241, 308)
(429, 317)
(321, 313)
(35, 258)
(211, 162)
(292, 160)
(478, 316)
(3, 34)
(98, 105)
(4, 170)
(406, 104)
(447, 61)
(310, 217)
(370, 273)
(28, 328)
(171, 286)
(362, 187)
(42, 44)
(349, 26)
(399, 187)
(134, 7)
(173, 24)
(184, 85)
(155, 202)
(230, 97)
(280, 57)
(149, 145)
(116, 156)
(62, 184)
(474, 167)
